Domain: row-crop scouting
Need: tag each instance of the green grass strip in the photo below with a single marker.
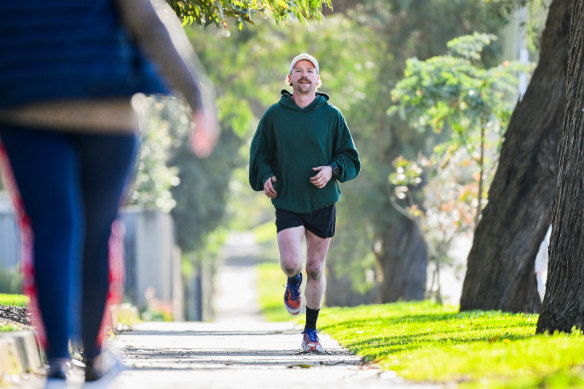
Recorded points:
(426, 342)
(18, 300)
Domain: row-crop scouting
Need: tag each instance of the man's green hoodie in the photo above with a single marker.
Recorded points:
(290, 141)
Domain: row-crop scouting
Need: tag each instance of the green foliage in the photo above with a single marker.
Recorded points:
(10, 280)
(454, 91)
(453, 95)
(470, 46)
(408, 174)
(202, 194)
(154, 177)
(206, 12)
(535, 20)
(537, 13)
(504, 8)
(210, 250)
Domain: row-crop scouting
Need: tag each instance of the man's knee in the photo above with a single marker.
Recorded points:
(290, 266)
(315, 271)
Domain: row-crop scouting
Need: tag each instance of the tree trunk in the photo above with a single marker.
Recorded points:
(403, 261)
(563, 306)
(500, 270)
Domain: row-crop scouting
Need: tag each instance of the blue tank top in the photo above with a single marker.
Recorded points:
(69, 49)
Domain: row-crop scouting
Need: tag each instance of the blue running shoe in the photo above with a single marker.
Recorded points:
(310, 342)
(293, 297)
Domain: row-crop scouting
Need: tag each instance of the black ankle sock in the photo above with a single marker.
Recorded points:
(311, 318)
(296, 280)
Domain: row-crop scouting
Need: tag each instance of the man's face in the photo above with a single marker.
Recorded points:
(304, 77)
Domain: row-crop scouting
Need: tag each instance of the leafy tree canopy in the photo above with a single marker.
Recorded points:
(455, 91)
(456, 94)
(206, 12)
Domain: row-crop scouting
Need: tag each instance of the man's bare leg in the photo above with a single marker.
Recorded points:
(316, 251)
(290, 245)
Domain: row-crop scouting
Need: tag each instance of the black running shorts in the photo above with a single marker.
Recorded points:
(320, 222)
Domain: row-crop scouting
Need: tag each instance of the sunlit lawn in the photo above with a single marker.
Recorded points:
(426, 342)
(12, 300)
(18, 300)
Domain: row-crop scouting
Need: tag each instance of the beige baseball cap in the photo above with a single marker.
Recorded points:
(307, 57)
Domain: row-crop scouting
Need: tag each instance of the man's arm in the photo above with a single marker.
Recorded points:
(260, 168)
(345, 155)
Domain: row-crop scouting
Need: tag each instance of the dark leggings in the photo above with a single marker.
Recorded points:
(69, 187)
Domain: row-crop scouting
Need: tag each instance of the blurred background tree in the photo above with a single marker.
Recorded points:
(456, 96)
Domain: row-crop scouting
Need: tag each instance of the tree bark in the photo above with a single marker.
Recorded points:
(500, 269)
(403, 261)
(563, 306)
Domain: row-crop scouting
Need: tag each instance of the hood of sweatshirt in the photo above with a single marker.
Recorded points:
(288, 102)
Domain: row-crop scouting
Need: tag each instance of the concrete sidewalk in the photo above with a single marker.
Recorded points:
(238, 350)
(250, 355)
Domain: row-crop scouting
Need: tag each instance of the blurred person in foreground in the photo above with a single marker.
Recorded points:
(300, 152)
(68, 134)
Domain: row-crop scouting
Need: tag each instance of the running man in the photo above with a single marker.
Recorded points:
(301, 150)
